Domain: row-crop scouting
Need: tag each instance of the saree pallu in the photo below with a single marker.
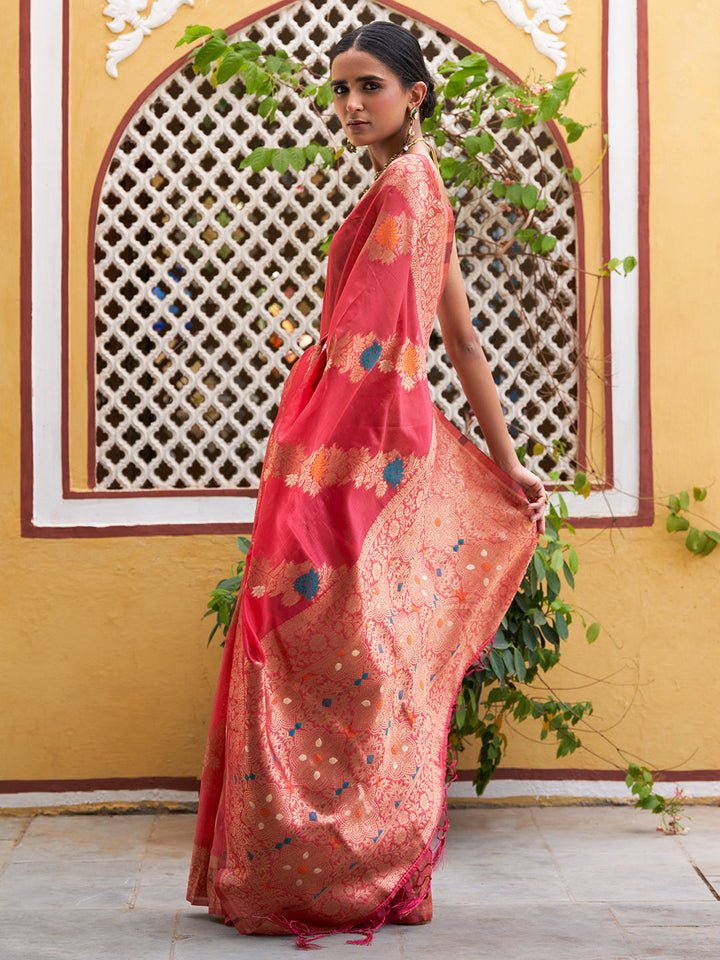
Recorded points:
(385, 552)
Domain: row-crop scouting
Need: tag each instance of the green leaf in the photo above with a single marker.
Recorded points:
(541, 204)
(498, 189)
(674, 503)
(529, 196)
(248, 48)
(509, 661)
(193, 33)
(280, 160)
(713, 535)
(547, 244)
(549, 105)
(487, 142)
(629, 264)
(325, 94)
(254, 77)
(573, 560)
(699, 494)
(258, 159)
(243, 543)
(684, 499)
(675, 524)
(514, 194)
(526, 236)
(520, 668)
(267, 108)
(579, 481)
(231, 64)
(498, 664)
(210, 51)
(456, 85)
(448, 167)
(592, 632)
(692, 541)
(297, 158)
(473, 145)
(556, 560)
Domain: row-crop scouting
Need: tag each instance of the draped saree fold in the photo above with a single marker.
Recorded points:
(385, 551)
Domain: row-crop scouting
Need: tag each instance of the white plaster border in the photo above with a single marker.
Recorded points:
(51, 510)
(522, 791)
(592, 791)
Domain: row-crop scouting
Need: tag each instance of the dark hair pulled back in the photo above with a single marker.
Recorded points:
(398, 49)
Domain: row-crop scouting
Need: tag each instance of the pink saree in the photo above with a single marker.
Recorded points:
(384, 554)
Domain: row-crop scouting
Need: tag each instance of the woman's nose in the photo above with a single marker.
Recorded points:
(354, 102)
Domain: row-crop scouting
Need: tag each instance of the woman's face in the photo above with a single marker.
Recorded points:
(370, 101)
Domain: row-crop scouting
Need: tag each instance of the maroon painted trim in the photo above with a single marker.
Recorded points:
(646, 510)
(109, 783)
(575, 773)
(65, 254)
(27, 466)
(248, 492)
(151, 530)
(555, 774)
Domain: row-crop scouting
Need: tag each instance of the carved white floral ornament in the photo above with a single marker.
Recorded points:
(125, 13)
(550, 12)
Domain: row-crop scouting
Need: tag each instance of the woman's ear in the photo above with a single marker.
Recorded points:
(417, 94)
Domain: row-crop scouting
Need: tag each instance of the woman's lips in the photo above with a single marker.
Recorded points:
(356, 124)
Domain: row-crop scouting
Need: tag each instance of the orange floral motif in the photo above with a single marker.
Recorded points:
(330, 466)
(391, 238)
(318, 467)
(388, 233)
(397, 355)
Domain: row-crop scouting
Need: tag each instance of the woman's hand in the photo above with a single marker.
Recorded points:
(535, 492)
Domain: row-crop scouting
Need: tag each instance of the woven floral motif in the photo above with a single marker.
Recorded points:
(384, 554)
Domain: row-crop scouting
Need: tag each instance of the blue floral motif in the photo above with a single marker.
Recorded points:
(370, 356)
(393, 472)
(308, 584)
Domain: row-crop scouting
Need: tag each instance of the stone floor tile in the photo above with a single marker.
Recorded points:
(504, 931)
(162, 883)
(85, 837)
(630, 915)
(675, 943)
(6, 848)
(482, 870)
(68, 884)
(11, 827)
(29, 934)
(171, 836)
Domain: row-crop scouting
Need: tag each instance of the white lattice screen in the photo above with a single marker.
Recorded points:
(209, 283)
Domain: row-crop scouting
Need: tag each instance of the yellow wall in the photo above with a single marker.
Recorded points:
(105, 671)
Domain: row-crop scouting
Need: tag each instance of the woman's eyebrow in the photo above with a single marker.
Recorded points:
(368, 77)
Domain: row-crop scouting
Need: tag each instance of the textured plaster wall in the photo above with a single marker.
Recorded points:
(105, 671)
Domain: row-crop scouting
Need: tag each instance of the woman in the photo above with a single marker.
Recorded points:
(385, 552)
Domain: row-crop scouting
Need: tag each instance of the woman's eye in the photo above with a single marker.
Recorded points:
(339, 90)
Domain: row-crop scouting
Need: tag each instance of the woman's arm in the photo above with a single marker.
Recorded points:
(466, 355)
